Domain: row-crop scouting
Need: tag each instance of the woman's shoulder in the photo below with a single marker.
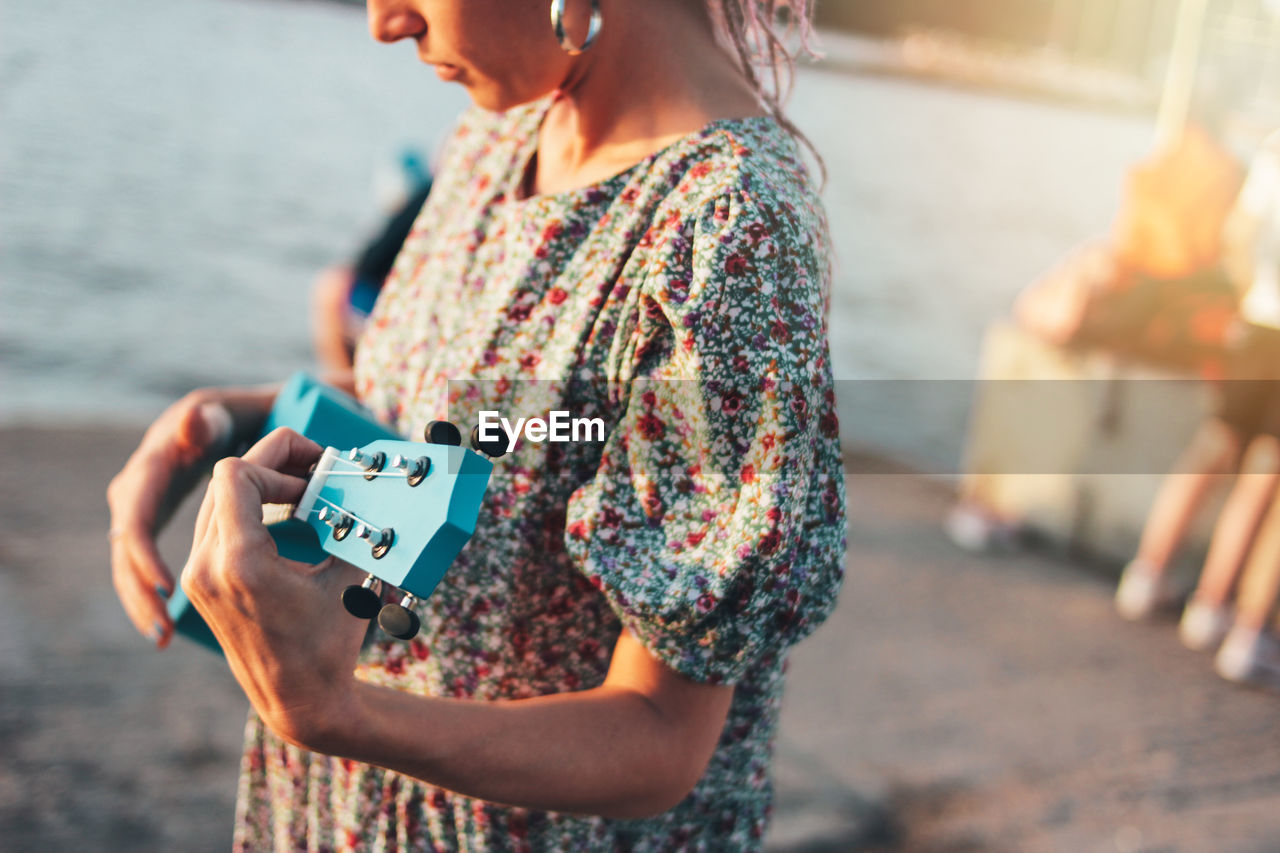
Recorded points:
(752, 165)
(736, 253)
(733, 178)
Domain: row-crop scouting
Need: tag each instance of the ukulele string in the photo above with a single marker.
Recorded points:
(343, 511)
(361, 471)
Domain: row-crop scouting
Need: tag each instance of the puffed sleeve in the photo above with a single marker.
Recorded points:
(714, 523)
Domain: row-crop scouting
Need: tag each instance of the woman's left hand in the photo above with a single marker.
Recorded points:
(289, 643)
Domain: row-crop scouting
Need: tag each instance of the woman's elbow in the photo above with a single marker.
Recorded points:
(675, 772)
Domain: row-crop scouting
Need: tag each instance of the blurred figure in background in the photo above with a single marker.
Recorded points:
(1247, 419)
(1250, 652)
(1152, 289)
(343, 295)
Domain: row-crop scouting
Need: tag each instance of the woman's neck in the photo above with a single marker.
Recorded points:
(655, 75)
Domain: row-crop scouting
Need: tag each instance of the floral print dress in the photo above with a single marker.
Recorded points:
(683, 303)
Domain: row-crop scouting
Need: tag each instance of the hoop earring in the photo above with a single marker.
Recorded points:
(593, 30)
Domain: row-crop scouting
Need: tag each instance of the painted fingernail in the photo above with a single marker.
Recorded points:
(161, 591)
(157, 631)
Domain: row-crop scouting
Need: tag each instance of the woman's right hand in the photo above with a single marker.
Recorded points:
(175, 453)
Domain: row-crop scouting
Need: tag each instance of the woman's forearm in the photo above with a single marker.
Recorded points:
(605, 751)
(633, 747)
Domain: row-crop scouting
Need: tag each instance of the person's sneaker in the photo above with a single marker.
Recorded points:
(972, 528)
(1143, 591)
(1249, 656)
(1204, 625)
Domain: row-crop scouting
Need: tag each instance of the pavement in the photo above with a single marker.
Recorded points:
(951, 703)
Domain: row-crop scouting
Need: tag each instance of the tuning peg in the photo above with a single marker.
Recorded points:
(398, 620)
(441, 432)
(338, 520)
(371, 462)
(362, 601)
(415, 470)
(492, 449)
(379, 539)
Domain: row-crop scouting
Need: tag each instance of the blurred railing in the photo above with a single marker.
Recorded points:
(1242, 55)
(1129, 35)
(1237, 61)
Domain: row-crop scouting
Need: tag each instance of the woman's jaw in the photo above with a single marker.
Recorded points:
(448, 73)
(503, 52)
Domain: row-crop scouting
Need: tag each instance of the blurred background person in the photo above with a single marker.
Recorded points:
(1246, 420)
(343, 295)
(1152, 290)
(1249, 652)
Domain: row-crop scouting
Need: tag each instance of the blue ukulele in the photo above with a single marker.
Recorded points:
(399, 510)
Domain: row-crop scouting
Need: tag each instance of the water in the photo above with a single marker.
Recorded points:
(173, 174)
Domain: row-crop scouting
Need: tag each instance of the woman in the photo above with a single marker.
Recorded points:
(622, 228)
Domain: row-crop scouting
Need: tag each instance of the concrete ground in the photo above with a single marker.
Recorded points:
(951, 703)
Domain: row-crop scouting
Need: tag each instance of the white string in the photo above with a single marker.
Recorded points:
(346, 512)
(362, 471)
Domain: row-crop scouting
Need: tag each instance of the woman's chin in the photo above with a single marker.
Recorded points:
(499, 99)
(448, 73)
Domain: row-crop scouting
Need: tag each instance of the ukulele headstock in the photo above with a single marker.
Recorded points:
(399, 510)
(418, 504)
